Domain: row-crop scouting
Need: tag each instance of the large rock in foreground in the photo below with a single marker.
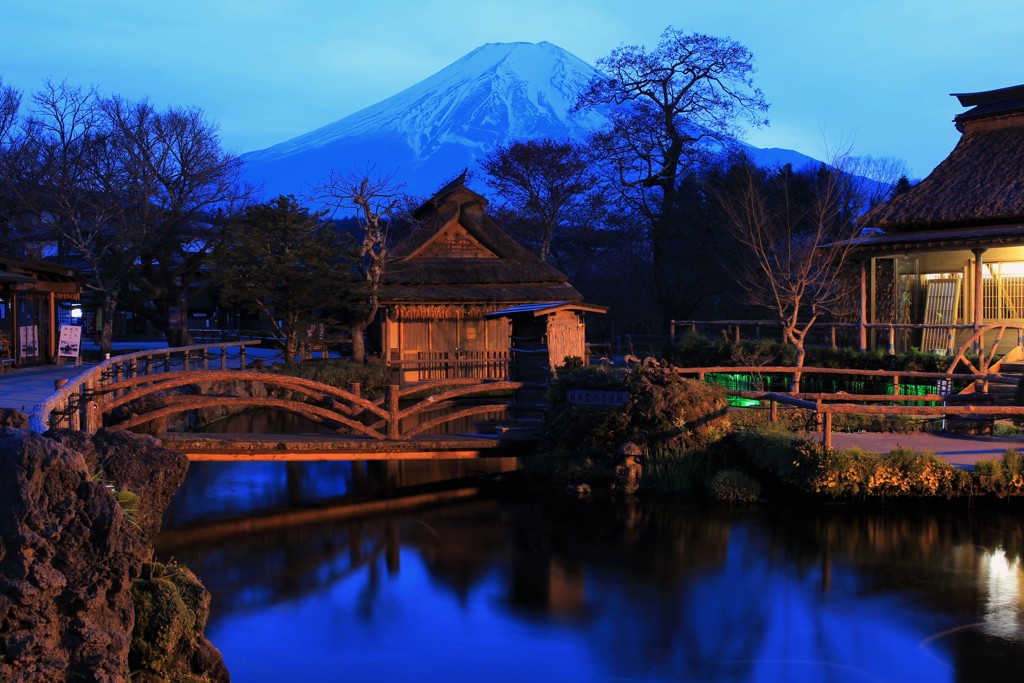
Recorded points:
(74, 519)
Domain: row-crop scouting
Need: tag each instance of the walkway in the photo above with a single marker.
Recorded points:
(963, 451)
(24, 388)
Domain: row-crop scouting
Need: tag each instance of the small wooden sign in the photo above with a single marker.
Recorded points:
(598, 399)
(944, 387)
(70, 341)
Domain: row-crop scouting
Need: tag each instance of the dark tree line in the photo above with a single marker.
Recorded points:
(660, 218)
(148, 205)
(135, 197)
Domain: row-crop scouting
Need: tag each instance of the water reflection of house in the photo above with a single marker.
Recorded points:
(456, 267)
(36, 297)
(951, 248)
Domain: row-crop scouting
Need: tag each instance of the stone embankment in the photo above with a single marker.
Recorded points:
(80, 595)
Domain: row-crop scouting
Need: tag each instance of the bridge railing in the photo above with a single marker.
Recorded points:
(78, 403)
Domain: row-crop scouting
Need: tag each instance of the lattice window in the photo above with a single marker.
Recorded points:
(1003, 291)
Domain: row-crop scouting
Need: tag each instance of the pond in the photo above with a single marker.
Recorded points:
(363, 571)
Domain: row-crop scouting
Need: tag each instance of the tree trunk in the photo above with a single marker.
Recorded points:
(359, 342)
(801, 353)
(107, 326)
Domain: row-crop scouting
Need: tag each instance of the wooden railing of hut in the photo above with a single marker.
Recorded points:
(732, 329)
(461, 364)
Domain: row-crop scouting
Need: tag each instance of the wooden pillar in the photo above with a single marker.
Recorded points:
(826, 431)
(863, 326)
(392, 401)
(979, 306)
(52, 350)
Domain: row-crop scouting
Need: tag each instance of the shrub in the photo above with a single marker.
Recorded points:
(682, 472)
(1003, 477)
(664, 413)
(734, 486)
(372, 377)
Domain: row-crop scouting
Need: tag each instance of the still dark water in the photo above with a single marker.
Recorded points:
(487, 582)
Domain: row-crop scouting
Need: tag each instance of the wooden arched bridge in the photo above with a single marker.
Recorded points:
(128, 391)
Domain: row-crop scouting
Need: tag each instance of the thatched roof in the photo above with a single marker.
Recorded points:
(501, 270)
(980, 183)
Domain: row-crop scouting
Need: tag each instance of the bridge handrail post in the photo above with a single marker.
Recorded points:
(167, 362)
(89, 408)
(393, 419)
(206, 359)
(223, 358)
(241, 357)
(356, 388)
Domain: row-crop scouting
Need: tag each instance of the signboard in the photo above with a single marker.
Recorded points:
(70, 341)
(944, 387)
(597, 399)
(28, 338)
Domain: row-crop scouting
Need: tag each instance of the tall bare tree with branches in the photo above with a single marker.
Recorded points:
(375, 200)
(664, 105)
(796, 228)
(544, 179)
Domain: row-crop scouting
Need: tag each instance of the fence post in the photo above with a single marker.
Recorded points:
(774, 411)
(834, 345)
(826, 436)
(241, 357)
(895, 385)
(892, 339)
(392, 400)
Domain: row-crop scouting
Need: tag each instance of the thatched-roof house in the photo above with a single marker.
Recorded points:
(951, 248)
(456, 267)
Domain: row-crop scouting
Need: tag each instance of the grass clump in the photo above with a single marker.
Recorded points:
(373, 378)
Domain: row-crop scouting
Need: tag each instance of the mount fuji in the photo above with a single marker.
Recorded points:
(428, 133)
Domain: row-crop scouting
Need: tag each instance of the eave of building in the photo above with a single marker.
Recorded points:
(949, 239)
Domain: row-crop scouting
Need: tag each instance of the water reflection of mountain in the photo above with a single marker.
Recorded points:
(658, 591)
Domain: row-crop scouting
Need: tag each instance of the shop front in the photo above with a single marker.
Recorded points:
(36, 297)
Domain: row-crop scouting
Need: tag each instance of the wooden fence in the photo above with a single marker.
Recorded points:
(825, 405)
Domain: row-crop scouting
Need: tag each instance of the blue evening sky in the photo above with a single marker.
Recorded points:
(872, 73)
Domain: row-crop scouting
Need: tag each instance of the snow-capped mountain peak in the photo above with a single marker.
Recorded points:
(497, 93)
(429, 132)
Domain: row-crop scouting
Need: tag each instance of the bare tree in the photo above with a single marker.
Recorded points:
(797, 228)
(375, 201)
(76, 190)
(126, 193)
(664, 105)
(544, 179)
(180, 187)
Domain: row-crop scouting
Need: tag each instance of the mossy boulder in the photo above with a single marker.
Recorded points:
(663, 413)
(171, 609)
